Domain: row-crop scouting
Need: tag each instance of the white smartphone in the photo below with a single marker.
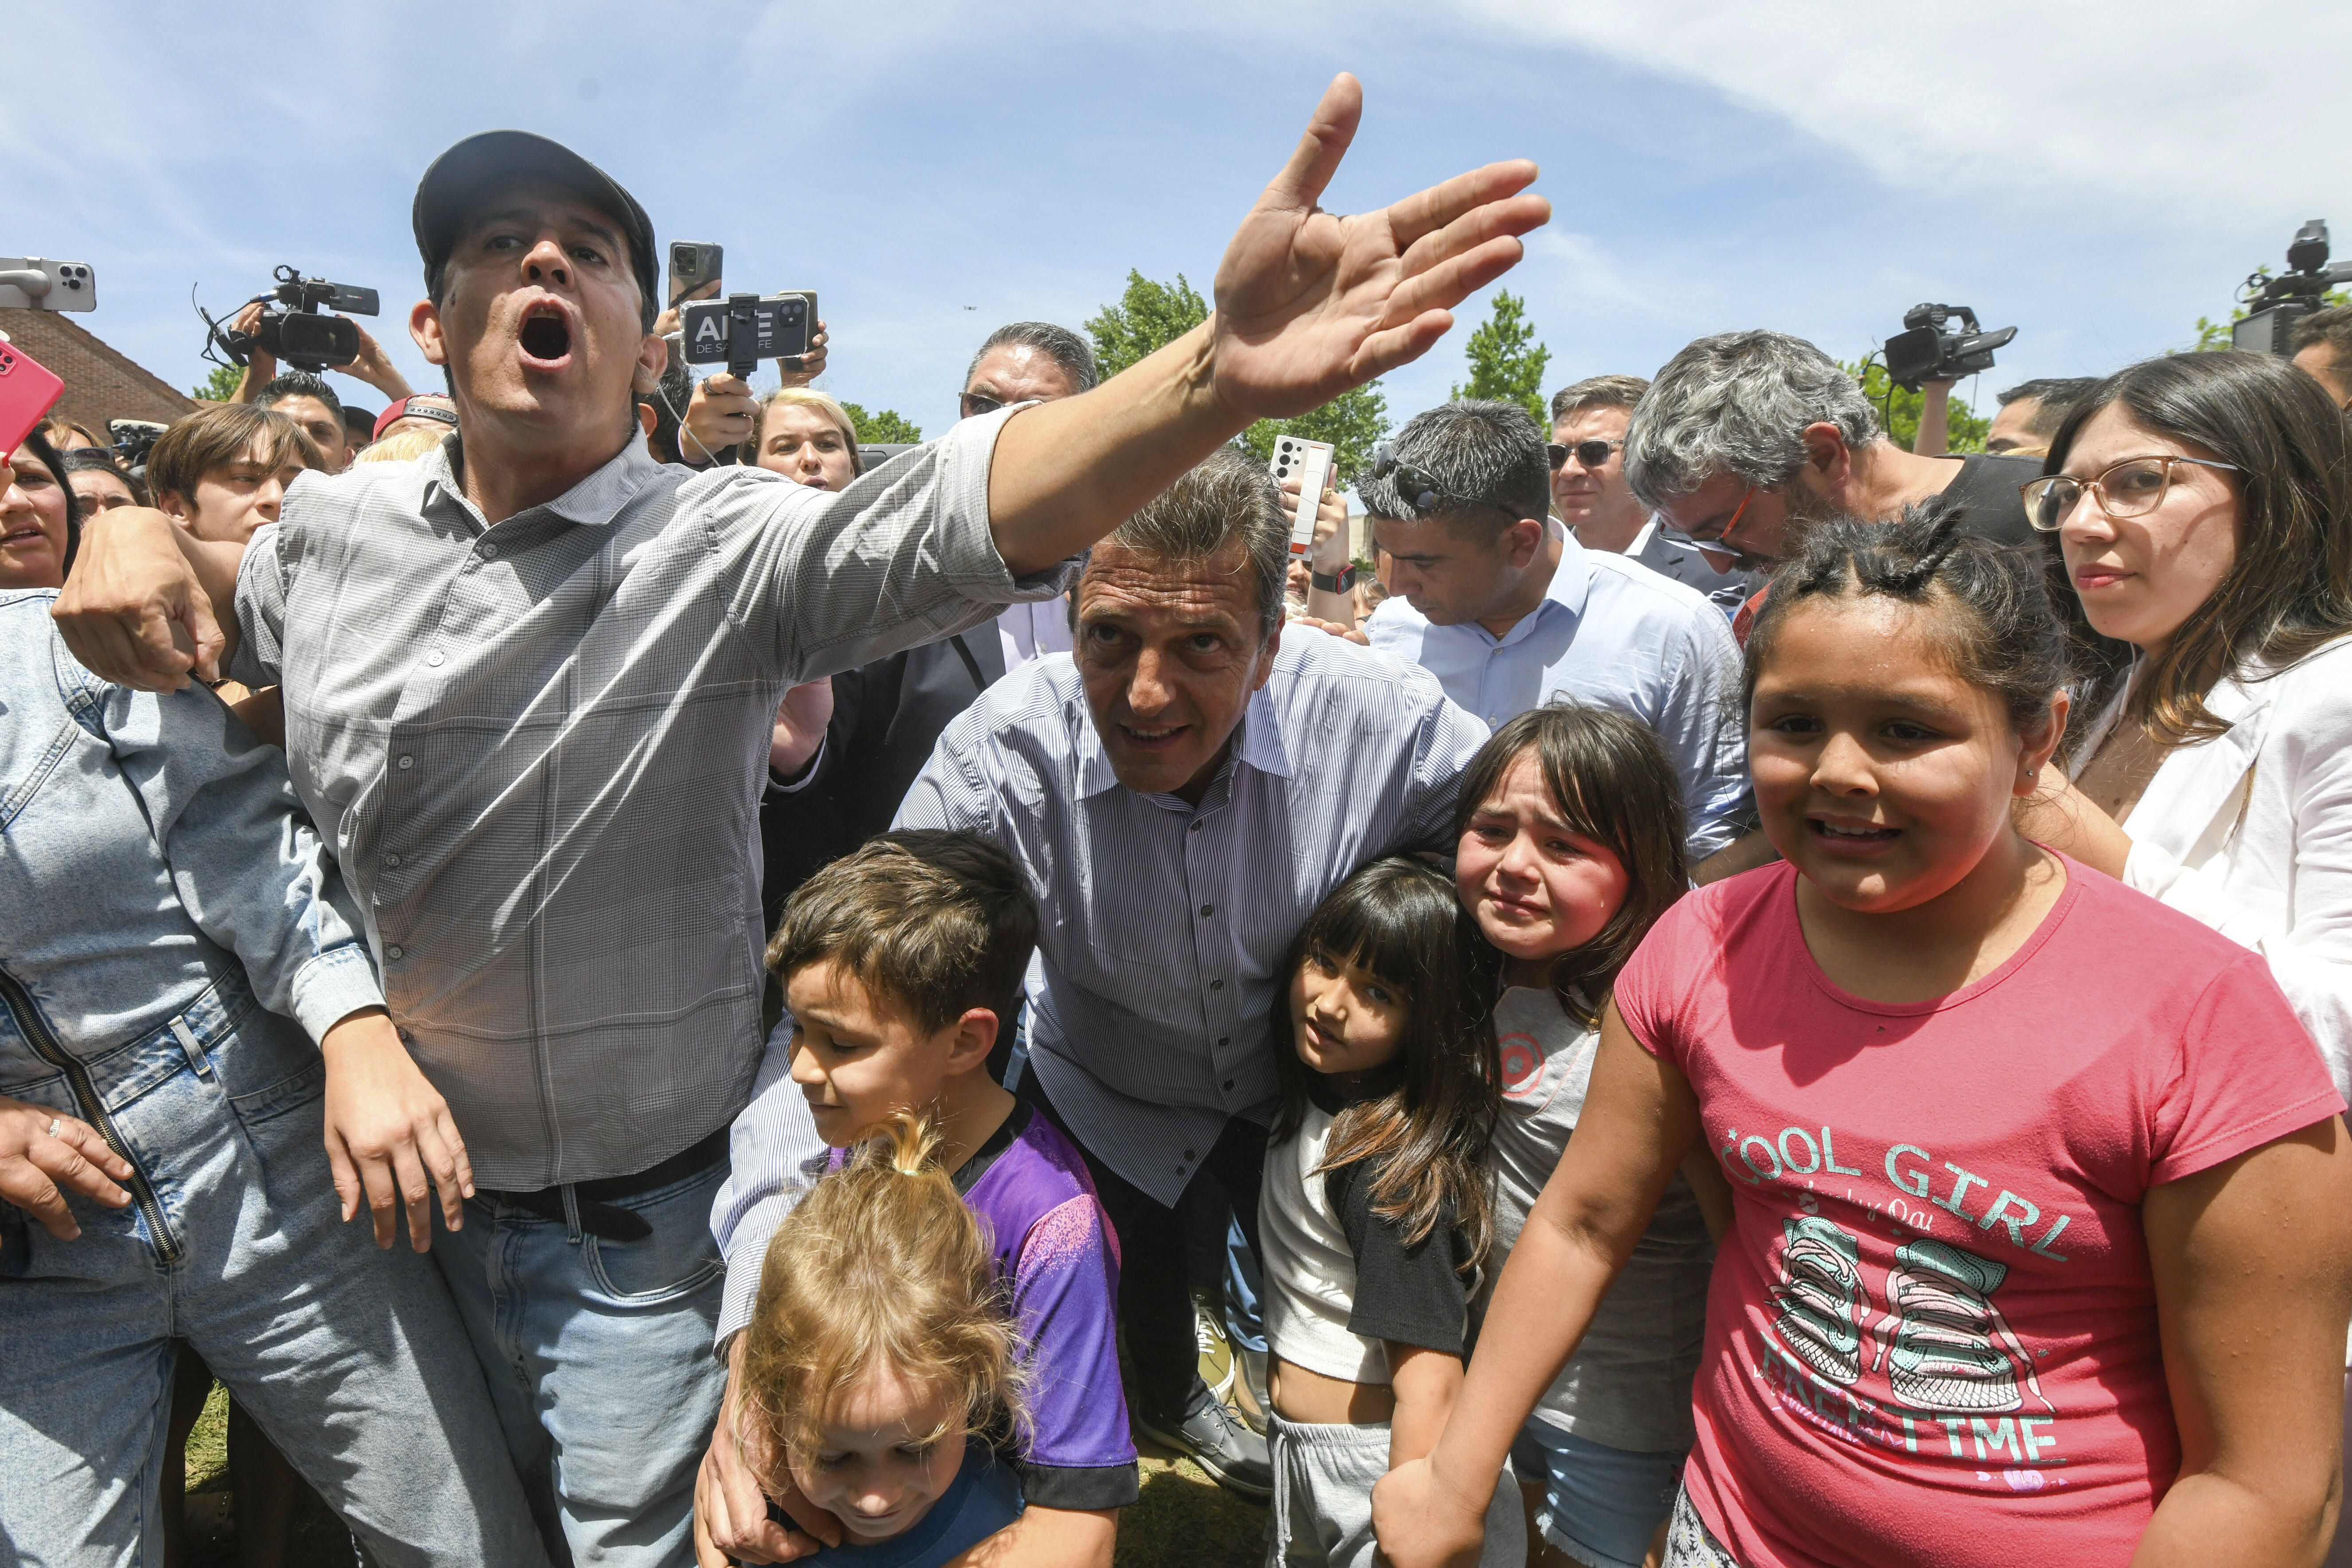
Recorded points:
(1310, 463)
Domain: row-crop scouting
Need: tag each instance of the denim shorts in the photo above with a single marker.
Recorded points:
(1600, 1505)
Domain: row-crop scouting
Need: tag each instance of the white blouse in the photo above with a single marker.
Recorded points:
(2251, 832)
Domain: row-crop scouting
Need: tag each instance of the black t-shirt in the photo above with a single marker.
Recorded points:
(1407, 1295)
(1986, 490)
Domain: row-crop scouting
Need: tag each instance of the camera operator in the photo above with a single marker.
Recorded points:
(99, 482)
(311, 403)
(373, 366)
(2031, 413)
(2323, 348)
(1747, 436)
(564, 909)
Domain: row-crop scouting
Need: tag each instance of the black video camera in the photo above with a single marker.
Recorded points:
(1926, 351)
(744, 329)
(293, 328)
(2275, 304)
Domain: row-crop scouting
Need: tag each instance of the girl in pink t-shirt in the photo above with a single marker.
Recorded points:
(2042, 1247)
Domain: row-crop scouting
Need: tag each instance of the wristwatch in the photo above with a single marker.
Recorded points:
(1339, 584)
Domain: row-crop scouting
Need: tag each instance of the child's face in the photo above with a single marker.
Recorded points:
(858, 1061)
(1536, 888)
(1343, 1020)
(236, 498)
(1881, 775)
(891, 1448)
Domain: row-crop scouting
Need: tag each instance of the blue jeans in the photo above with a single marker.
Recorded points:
(1601, 1505)
(599, 1363)
(351, 1359)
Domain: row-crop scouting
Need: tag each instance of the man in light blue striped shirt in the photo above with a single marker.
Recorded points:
(1181, 792)
(1509, 612)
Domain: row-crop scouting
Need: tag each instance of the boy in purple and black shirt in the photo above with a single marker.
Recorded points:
(900, 964)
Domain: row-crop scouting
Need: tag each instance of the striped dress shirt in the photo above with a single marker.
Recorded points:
(536, 749)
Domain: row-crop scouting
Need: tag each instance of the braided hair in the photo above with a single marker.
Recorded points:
(1991, 607)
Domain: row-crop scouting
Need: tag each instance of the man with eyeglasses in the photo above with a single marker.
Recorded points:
(1746, 437)
(1590, 494)
(1510, 612)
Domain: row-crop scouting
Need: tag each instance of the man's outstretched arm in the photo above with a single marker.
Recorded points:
(1308, 305)
(149, 602)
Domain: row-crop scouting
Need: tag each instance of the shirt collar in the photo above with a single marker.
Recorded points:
(1572, 580)
(595, 502)
(1258, 743)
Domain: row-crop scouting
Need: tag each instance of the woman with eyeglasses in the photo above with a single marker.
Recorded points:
(2200, 514)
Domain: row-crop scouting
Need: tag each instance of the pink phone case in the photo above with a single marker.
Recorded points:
(27, 392)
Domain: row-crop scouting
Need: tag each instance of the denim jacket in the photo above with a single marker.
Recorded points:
(150, 848)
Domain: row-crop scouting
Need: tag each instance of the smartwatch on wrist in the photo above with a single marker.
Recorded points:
(1338, 584)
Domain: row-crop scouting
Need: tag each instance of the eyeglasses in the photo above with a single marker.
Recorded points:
(976, 403)
(1705, 535)
(2128, 489)
(1423, 491)
(1590, 454)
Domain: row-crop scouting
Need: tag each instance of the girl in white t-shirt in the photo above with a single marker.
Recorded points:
(1374, 1213)
(1570, 848)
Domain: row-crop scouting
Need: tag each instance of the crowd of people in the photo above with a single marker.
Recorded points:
(644, 984)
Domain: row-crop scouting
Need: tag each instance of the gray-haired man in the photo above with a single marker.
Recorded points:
(1744, 436)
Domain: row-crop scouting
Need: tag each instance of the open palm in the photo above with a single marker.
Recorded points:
(1310, 304)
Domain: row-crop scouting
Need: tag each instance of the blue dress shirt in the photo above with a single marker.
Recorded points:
(1162, 927)
(1612, 633)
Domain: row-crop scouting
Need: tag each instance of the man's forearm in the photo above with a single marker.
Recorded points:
(1068, 472)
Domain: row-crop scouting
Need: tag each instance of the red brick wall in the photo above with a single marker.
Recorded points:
(100, 383)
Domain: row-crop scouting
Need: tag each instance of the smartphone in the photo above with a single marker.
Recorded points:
(692, 265)
(794, 361)
(1310, 463)
(36, 283)
(741, 330)
(27, 393)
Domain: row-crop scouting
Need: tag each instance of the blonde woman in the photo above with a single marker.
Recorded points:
(806, 437)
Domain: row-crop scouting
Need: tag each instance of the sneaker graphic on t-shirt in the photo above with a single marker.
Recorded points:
(1941, 1352)
(1824, 1302)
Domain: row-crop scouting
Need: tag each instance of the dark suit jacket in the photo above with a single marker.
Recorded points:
(886, 717)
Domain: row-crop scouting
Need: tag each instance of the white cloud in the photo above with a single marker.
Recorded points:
(2138, 109)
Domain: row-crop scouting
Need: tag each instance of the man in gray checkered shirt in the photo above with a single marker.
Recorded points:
(529, 686)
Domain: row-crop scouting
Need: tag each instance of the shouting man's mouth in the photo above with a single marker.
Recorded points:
(546, 337)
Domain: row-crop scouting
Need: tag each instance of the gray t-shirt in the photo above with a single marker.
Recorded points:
(1629, 1383)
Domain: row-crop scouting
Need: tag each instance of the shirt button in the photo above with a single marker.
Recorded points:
(1196, 828)
(1208, 910)
(1224, 1040)
(1188, 1153)
(393, 952)
(392, 861)
(434, 657)
(1217, 985)
(406, 761)
(489, 551)
(1229, 1083)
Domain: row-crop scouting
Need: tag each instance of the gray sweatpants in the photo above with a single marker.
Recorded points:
(1323, 1480)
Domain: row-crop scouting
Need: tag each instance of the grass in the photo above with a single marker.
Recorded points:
(1183, 1519)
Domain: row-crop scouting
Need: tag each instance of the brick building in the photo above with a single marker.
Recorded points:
(102, 383)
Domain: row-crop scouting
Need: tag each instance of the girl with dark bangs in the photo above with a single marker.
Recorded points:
(1570, 848)
(1375, 1216)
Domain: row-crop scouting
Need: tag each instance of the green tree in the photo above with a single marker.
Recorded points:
(1900, 413)
(886, 427)
(1506, 362)
(1149, 315)
(220, 386)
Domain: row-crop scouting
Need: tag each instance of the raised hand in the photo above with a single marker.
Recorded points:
(1310, 304)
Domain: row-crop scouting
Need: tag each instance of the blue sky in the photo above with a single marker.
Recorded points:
(2097, 175)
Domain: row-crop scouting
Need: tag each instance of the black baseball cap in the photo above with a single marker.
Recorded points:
(459, 178)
